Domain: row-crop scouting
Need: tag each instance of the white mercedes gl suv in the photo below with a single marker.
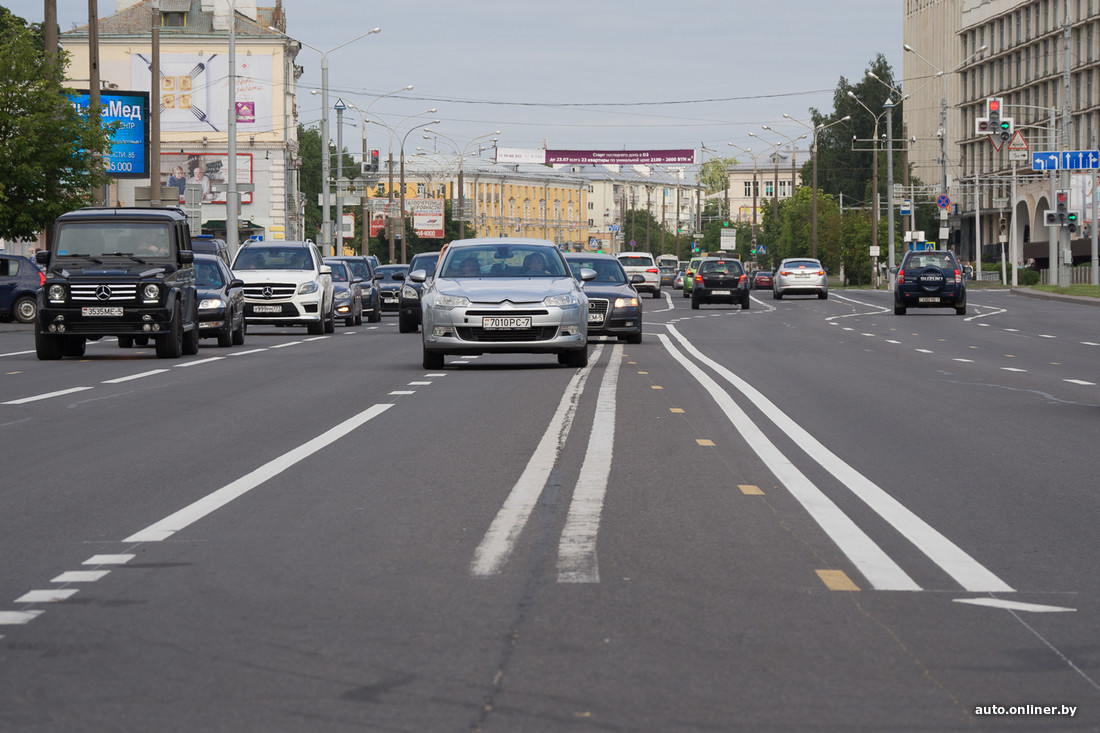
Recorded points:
(286, 284)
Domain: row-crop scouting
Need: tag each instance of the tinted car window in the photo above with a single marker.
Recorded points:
(207, 275)
(606, 271)
(636, 260)
(386, 272)
(508, 260)
(274, 258)
(942, 260)
(339, 273)
(361, 269)
(148, 239)
(730, 266)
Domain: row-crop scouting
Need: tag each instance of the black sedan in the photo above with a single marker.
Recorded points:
(720, 280)
(408, 304)
(347, 293)
(930, 279)
(363, 268)
(614, 308)
(390, 278)
(221, 301)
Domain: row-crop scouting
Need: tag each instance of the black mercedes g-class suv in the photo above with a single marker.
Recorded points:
(124, 272)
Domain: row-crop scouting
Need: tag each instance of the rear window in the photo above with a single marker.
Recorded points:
(808, 264)
(942, 260)
(636, 260)
(731, 266)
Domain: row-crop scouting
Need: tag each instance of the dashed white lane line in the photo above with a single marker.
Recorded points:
(288, 343)
(250, 351)
(1081, 382)
(1046, 336)
(1013, 369)
(419, 384)
(403, 391)
(18, 618)
(46, 396)
(46, 596)
(926, 351)
(1089, 343)
(967, 361)
(142, 375)
(108, 559)
(200, 361)
(195, 511)
(80, 576)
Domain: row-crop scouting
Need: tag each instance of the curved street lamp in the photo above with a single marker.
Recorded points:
(816, 130)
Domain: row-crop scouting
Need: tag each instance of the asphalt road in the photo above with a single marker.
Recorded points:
(811, 515)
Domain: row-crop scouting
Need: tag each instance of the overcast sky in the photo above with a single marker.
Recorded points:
(579, 74)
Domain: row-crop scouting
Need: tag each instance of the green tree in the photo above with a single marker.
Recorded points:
(713, 173)
(855, 239)
(641, 226)
(50, 150)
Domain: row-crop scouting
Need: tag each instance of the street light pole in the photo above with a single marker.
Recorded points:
(404, 259)
(232, 203)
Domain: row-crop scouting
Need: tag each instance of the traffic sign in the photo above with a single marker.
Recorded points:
(1051, 160)
(1018, 142)
(906, 207)
(943, 201)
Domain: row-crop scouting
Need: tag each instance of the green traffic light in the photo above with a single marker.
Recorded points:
(1004, 125)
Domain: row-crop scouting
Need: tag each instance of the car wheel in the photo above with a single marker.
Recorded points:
(191, 340)
(657, 293)
(405, 325)
(316, 328)
(776, 295)
(694, 302)
(432, 360)
(745, 303)
(685, 293)
(574, 359)
(330, 322)
(170, 345)
(375, 315)
(238, 335)
(225, 336)
(961, 310)
(25, 309)
(358, 320)
(824, 294)
(47, 347)
(125, 342)
(141, 340)
(634, 338)
(899, 310)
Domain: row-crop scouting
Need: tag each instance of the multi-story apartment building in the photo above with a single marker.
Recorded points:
(1042, 58)
(194, 100)
(760, 181)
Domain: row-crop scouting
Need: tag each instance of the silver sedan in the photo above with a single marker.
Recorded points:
(800, 275)
(508, 295)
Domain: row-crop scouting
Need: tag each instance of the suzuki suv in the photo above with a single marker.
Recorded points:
(286, 284)
(930, 279)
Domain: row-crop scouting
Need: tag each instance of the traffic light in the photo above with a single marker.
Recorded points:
(1061, 207)
(1071, 222)
(373, 161)
(1051, 219)
(1003, 227)
(1006, 128)
(993, 112)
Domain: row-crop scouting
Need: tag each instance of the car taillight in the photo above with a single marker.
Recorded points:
(744, 278)
(958, 277)
(41, 278)
(819, 273)
(901, 277)
(699, 279)
(784, 272)
(653, 269)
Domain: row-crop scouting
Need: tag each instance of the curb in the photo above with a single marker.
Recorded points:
(1079, 299)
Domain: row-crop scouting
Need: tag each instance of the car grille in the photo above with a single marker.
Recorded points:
(506, 312)
(598, 305)
(543, 333)
(279, 291)
(116, 292)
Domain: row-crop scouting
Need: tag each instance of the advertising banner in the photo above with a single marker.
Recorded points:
(194, 91)
(129, 154)
(206, 170)
(536, 156)
(620, 157)
(427, 216)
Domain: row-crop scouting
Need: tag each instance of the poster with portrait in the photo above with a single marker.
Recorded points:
(207, 170)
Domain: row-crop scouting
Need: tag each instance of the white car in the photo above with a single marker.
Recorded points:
(642, 263)
(506, 295)
(286, 284)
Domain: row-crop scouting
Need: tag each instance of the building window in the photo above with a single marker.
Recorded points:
(768, 189)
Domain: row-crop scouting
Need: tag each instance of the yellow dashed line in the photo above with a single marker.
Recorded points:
(704, 441)
(836, 580)
(677, 410)
(643, 372)
(655, 386)
(750, 490)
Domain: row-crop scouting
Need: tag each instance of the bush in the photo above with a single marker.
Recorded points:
(1027, 277)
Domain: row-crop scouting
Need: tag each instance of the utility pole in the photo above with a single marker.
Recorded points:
(889, 106)
(154, 108)
(94, 106)
(1065, 263)
(389, 207)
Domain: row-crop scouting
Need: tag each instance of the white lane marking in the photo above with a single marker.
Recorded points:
(200, 361)
(436, 374)
(1081, 382)
(316, 338)
(80, 576)
(1013, 605)
(926, 351)
(46, 396)
(881, 571)
(250, 351)
(967, 361)
(190, 514)
(878, 308)
(500, 538)
(577, 550)
(108, 559)
(1013, 369)
(1013, 330)
(47, 596)
(17, 618)
(967, 571)
(419, 384)
(1046, 336)
(994, 312)
(892, 341)
(142, 375)
(288, 343)
(403, 391)
(17, 353)
(1089, 343)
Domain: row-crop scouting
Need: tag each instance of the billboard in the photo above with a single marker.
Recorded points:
(207, 170)
(427, 217)
(620, 157)
(520, 155)
(129, 154)
(194, 91)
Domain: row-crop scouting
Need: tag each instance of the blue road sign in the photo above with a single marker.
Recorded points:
(943, 201)
(1071, 160)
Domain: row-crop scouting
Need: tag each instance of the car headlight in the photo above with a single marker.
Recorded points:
(452, 301)
(211, 303)
(626, 302)
(151, 292)
(409, 292)
(342, 296)
(307, 288)
(561, 301)
(57, 293)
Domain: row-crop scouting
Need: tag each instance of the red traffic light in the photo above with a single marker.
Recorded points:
(994, 105)
(1061, 197)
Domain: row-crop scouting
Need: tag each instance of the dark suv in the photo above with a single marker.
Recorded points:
(720, 280)
(930, 279)
(125, 272)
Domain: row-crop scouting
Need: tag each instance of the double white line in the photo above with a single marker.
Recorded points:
(879, 569)
(577, 549)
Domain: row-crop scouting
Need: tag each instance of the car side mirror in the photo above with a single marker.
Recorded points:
(398, 276)
(236, 283)
(186, 257)
(417, 276)
(587, 274)
(325, 270)
(894, 270)
(356, 280)
(635, 279)
(42, 257)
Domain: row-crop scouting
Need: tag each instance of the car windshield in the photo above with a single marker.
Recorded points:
(386, 272)
(273, 258)
(207, 275)
(98, 239)
(504, 260)
(360, 269)
(636, 260)
(339, 272)
(424, 262)
(942, 260)
(607, 271)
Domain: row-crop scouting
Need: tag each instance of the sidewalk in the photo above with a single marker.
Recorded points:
(1079, 299)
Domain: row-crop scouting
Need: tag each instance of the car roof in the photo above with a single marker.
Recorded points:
(501, 240)
(593, 256)
(277, 243)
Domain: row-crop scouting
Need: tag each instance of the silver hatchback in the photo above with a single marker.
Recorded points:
(506, 295)
(800, 276)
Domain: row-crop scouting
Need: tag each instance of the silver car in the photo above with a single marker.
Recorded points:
(506, 295)
(800, 276)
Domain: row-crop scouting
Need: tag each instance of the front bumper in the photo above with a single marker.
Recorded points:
(552, 330)
(917, 298)
(391, 300)
(299, 310)
(135, 320)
